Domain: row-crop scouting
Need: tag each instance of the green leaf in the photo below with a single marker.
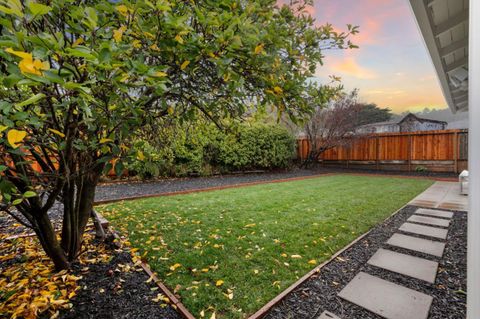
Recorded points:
(38, 8)
(31, 100)
(29, 194)
(17, 201)
(92, 17)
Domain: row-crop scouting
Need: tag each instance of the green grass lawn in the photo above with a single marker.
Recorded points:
(254, 241)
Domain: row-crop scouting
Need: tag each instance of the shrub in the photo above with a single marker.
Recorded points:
(261, 146)
(205, 150)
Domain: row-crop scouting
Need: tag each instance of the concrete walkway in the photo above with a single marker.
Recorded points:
(425, 231)
(443, 195)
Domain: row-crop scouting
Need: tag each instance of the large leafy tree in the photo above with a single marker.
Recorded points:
(78, 77)
(371, 113)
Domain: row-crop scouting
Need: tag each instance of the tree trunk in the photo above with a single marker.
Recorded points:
(78, 199)
(48, 239)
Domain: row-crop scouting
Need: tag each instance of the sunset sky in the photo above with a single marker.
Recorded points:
(392, 67)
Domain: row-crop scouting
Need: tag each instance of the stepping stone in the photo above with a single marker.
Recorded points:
(429, 220)
(328, 315)
(385, 298)
(426, 246)
(415, 267)
(434, 212)
(424, 230)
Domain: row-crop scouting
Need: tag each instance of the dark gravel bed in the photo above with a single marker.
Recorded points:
(108, 292)
(110, 191)
(7, 222)
(319, 293)
(119, 190)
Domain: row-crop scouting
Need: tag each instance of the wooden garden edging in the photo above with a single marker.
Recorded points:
(266, 308)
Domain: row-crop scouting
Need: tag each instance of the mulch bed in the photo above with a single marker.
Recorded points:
(319, 292)
(117, 289)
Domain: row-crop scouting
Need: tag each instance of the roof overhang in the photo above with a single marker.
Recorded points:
(444, 27)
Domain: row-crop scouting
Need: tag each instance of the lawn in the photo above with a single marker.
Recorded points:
(231, 251)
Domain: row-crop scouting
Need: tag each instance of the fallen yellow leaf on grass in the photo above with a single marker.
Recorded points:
(312, 262)
(184, 65)
(296, 256)
(175, 266)
(219, 283)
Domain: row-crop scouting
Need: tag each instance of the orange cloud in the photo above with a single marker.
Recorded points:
(349, 66)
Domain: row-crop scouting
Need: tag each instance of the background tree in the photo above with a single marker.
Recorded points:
(332, 126)
(371, 113)
(79, 76)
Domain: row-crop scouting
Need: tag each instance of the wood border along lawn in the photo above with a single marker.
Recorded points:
(281, 180)
(266, 308)
(231, 251)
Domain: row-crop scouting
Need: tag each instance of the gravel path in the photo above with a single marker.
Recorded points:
(319, 293)
(118, 190)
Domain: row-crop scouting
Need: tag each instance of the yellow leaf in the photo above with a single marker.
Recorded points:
(219, 283)
(56, 132)
(213, 316)
(179, 39)
(250, 225)
(296, 256)
(117, 34)
(175, 266)
(205, 270)
(154, 47)
(170, 110)
(284, 255)
(105, 140)
(140, 155)
(160, 74)
(278, 90)
(312, 262)
(137, 44)
(23, 55)
(184, 65)
(15, 136)
(3, 128)
(77, 42)
(259, 48)
(122, 9)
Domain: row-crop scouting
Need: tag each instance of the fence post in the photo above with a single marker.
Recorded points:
(455, 151)
(377, 152)
(409, 152)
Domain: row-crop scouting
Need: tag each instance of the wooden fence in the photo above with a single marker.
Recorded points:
(440, 151)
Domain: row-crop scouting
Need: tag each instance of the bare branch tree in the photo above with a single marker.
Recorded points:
(332, 126)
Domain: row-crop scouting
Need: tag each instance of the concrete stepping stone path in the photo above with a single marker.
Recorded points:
(424, 230)
(434, 212)
(425, 246)
(415, 267)
(429, 220)
(385, 298)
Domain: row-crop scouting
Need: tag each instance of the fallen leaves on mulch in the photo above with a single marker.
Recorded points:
(29, 284)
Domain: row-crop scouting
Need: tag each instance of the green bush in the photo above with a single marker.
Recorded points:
(260, 146)
(205, 150)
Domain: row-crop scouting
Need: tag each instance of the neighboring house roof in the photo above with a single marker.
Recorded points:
(420, 119)
(397, 122)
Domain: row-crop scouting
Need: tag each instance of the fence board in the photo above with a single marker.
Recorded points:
(445, 150)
